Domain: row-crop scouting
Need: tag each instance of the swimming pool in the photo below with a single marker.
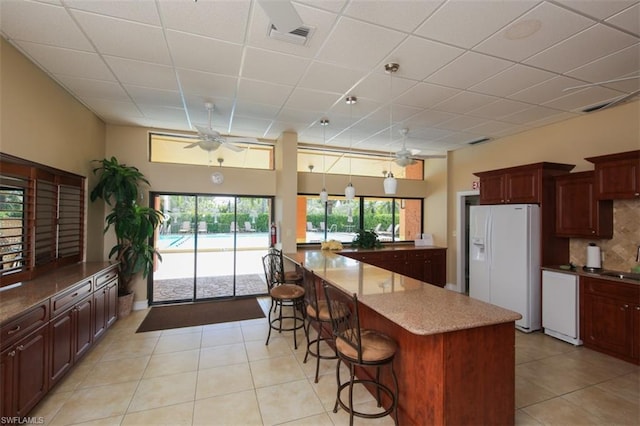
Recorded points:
(221, 241)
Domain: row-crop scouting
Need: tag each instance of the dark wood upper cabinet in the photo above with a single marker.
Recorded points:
(617, 176)
(579, 213)
(518, 185)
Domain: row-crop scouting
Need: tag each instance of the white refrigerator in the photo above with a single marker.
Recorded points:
(504, 259)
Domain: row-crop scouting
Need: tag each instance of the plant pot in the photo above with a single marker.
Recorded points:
(125, 305)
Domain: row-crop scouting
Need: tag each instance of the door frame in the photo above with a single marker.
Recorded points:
(462, 259)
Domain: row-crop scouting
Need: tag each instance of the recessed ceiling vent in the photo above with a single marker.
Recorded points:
(596, 107)
(300, 35)
(477, 141)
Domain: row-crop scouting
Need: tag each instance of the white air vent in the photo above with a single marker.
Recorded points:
(300, 35)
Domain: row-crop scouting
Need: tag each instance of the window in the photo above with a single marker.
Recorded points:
(41, 219)
(354, 163)
(393, 219)
(165, 148)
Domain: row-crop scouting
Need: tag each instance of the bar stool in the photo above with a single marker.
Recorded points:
(283, 295)
(289, 277)
(317, 316)
(358, 347)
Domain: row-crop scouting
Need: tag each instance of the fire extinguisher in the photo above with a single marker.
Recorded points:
(274, 234)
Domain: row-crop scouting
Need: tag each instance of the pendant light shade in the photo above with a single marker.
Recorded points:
(324, 196)
(390, 183)
(350, 190)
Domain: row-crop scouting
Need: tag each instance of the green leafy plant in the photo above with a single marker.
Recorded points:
(119, 186)
(366, 239)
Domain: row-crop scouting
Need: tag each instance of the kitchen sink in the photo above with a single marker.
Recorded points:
(621, 275)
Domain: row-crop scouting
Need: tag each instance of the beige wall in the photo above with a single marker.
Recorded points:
(612, 130)
(41, 122)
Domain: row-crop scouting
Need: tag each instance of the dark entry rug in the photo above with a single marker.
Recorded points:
(192, 314)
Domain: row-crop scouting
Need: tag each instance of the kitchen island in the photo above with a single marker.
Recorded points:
(456, 357)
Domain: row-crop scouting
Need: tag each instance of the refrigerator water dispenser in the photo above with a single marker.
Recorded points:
(477, 248)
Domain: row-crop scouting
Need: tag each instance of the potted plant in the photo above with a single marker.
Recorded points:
(134, 225)
(366, 239)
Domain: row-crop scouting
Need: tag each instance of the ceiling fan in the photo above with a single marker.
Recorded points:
(404, 157)
(613, 102)
(210, 139)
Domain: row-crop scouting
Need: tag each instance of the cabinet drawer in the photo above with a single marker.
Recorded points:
(59, 303)
(617, 290)
(105, 277)
(15, 329)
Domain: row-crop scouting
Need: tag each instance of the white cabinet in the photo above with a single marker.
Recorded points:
(560, 306)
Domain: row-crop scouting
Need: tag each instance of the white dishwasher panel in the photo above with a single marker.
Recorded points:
(560, 306)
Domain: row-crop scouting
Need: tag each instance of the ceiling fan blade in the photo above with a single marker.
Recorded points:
(233, 147)
(207, 133)
(193, 145)
(282, 14)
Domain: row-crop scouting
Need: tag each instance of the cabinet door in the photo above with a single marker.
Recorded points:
(635, 313)
(578, 212)
(522, 187)
(61, 331)
(607, 324)
(618, 179)
(112, 302)
(100, 306)
(31, 373)
(437, 268)
(492, 189)
(7, 382)
(83, 327)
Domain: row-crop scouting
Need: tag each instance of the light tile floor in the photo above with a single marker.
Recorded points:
(223, 374)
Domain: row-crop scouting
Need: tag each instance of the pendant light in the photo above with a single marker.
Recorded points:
(350, 191)
(390, 183)
(324, 196)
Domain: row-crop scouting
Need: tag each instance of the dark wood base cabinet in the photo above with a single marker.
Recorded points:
(428, 264)
(40, 345)
(610, 317)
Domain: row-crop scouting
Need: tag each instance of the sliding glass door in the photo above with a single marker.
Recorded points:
(211, 247)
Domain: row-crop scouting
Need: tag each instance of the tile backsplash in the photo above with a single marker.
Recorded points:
(619, 253)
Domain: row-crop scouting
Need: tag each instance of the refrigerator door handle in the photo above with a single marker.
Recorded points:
(488, 230)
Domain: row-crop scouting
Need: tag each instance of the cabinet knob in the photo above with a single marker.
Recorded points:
(12, 353)
(20, 348)
(637, 308)
(625, 306)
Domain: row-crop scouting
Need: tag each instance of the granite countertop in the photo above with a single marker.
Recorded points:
(418, 307)
(579, 271)
(34, 292)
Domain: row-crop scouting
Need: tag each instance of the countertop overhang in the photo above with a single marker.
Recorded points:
(418, 307)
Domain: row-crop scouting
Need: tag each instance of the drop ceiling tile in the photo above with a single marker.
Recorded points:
(41, 23)
(617, 65)
(400, 113)
(87, 88)
(273, 66)
(139, 11)
(249, 126)
(358, 45)
(428, 118)
(426, 95)
(457, 140)
(500, 108)
(320, 21)
(511, 80)
(143, 73)
(204, 54)
(456, 74)
(378, 86)
(125, 39)
(405, 16)
(330, 78)
(312, 100)
(146, 95)
(545, 91)
(628, 20)
(491, 128)
(120, 110)
(581, 99)
(457, 21)
(532, 114)
(224, 20)
(584, 47)
(464, 102)
(263, 93)
(554, 23)
(206, 84)
(419, 58)
(261, 111)
(461, 122)
(597, 9)
(75, 63)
